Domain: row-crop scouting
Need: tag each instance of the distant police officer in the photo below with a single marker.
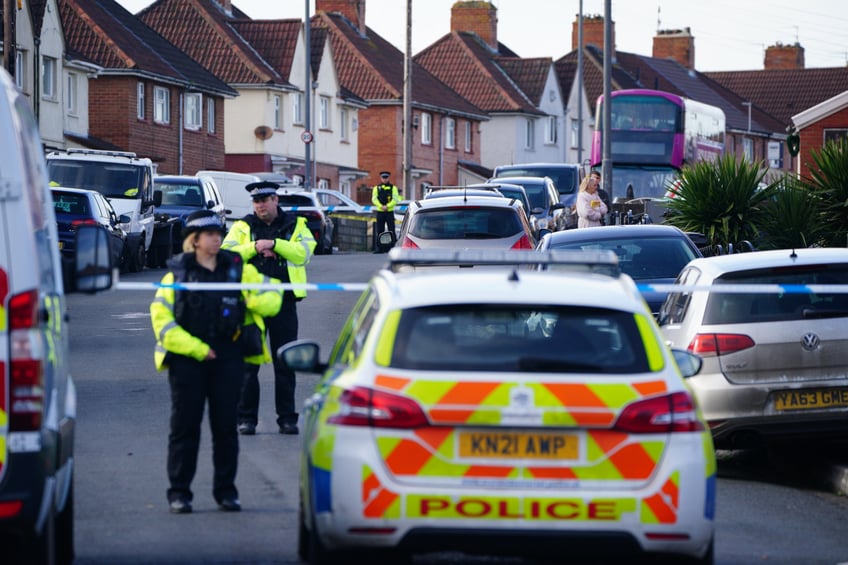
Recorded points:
(198, 338)
(384, 197)
(279, 245)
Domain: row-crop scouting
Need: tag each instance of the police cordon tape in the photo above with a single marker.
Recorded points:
(359, 287)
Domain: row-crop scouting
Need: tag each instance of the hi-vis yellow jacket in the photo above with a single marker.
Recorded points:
(297, 250)
(171, 337)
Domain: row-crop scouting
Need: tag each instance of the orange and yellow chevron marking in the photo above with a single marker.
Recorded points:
(377, 501)
(661, 507)
(391, 383)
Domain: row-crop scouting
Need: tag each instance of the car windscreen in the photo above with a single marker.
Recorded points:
(564, 178)
(650, 258)
(536, 193)
(179, 194)
(518, 338)
(468, 222)
(109, 179)
(295, 200)
(797, 303)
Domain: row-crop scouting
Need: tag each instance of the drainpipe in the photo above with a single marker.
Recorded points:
(442, 149)
(180, 134)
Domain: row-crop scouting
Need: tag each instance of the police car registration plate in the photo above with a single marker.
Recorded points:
(525, 445)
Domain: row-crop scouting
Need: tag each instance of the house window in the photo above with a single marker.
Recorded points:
(278, 112)
(324, 112)
(193, 110)
(529, 134)
(468, 137)
(324, 184)
(71, 94)
(551, 130)
(20, 69)
(343, 121)
(210, 115)
(450, 133)
(139, 101)
(835, 134)
(297, 108)
(161, 105)
(575, 133)
(48, 77)
(748, 149)
(426, 129)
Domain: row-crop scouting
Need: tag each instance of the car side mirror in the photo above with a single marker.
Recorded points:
(93, 269)
(688, 363)
(302, 355)
(157, 198)
(124, 219)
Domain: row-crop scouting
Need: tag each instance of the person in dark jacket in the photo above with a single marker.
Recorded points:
(198, 340)
(279, 245)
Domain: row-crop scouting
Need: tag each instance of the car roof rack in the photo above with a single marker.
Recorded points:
(601, 261)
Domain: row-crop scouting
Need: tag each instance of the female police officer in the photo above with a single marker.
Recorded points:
(198, 338)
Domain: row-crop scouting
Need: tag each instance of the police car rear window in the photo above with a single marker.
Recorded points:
(519, 338)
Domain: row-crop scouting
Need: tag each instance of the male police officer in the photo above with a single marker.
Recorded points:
(279, 245)
(384, 197)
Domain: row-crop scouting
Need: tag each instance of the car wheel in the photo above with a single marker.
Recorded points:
(65, 531)
(317, 554)
(302, 535)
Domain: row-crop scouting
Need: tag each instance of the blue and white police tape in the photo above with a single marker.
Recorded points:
(358, 287)
(330, 209)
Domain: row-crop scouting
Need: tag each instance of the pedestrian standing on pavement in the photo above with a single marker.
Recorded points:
(590, 208)
(384, 197)
(198, 339)
(279, 245)
(602, 194)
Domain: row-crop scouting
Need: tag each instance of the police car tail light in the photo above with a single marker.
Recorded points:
(663, 414)
(523, 243)
(26, 372)
(408, 244)
(362, 406)
(714, 345)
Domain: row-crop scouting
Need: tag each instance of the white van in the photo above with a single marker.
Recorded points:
(38, 399)
(231, 186)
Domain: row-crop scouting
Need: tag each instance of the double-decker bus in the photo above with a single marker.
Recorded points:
(653, 134)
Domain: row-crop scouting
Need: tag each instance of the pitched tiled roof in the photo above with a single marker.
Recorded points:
(785, 92)
(530, 75)
(111, 37)
(593, 74)
(274, 40)
(372, 68)
(202, 29)
(463, 62)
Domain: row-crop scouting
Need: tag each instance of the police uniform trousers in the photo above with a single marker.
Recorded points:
(385, 222)
(281, 329)
(193, 383)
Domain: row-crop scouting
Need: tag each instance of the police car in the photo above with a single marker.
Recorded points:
(504, 410)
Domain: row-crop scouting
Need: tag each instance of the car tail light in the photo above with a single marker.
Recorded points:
(312, 215)
(663, 414)
(408, 244)
(84, 222)
(363, 406)
(26, 371)
(523, 243)
(714, 345)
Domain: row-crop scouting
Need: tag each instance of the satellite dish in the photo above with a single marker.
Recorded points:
(263, 132)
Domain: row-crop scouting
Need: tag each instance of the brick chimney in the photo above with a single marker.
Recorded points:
(593, 32)
(676, 44)
(480, 17)
(353, 10)
(781, 56)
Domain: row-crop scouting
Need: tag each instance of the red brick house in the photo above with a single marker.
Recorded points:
(445, 125)
(826, 121)
(150, 97)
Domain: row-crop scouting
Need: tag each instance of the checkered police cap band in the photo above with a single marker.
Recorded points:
(204, 222)
(261, 189)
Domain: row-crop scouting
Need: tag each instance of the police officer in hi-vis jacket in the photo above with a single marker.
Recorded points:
(279, 245)
(384, 197)
(199, 339)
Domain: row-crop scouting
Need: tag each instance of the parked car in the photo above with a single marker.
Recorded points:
(516, 191)
(776, 359)
(305, 203)
(75, 207)
(652, 254)
(336, 201)
(233, 194)
(466, 222)
(183, 194)
(480, 190)
(565, 176)
(550, 213)
(502, 411)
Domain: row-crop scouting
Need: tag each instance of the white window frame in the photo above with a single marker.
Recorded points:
(297, 108)
(450, 133)
(48, 77)
(324, 112)
(426, 129)
(210, 114)
(529, 133)
(71, 93)
(278, 112)
(323, 184)
(139, 101)
(343, 124)
(575, 132)
(161, 105)
(468, 137)
(193, 111)
(748, 149)
(551, 130)
(20, 69)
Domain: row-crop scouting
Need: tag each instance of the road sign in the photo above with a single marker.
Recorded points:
(306, 136)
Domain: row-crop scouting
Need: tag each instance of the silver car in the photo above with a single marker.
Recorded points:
(776, 359)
